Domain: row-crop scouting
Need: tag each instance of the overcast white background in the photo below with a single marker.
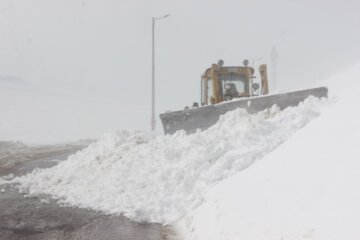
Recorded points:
(76, 69)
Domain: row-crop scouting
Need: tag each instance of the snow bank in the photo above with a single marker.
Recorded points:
(305, 189)
(161, 179)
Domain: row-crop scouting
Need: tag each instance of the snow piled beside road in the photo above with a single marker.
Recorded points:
(308, 188)
(160, 179)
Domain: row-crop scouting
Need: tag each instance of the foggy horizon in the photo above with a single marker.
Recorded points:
(72, 70)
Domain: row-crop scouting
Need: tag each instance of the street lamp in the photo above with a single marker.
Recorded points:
(153, 120)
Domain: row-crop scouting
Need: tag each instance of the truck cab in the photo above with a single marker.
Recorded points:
(219, 83)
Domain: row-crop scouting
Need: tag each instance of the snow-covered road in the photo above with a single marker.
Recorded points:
(304, 185)
(160, 179)
(41, 218)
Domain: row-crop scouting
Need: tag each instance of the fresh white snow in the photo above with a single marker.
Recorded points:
(161, 179)
(305, 189)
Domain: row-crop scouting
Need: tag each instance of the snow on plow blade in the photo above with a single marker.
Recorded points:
(204, 117)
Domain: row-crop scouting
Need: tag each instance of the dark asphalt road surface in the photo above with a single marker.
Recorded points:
(40, 218)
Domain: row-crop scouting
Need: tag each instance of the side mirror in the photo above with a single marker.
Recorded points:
(255, 86)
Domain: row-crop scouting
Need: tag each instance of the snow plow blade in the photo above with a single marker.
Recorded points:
(204, 117)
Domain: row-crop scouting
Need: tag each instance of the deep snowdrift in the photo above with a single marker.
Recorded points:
(305, 189)
(161, 179)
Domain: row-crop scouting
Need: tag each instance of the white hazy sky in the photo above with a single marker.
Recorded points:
(87, 63)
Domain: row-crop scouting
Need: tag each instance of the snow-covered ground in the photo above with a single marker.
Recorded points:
(305, 189)
(16, 157)
(161, 179)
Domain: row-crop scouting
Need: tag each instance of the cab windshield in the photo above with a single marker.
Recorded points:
(233, 86)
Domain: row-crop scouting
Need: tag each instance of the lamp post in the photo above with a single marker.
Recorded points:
(153, 120)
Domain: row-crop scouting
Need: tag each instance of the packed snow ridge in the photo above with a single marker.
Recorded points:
(160, 179)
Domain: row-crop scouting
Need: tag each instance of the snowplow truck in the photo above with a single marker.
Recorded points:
(225, 88)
